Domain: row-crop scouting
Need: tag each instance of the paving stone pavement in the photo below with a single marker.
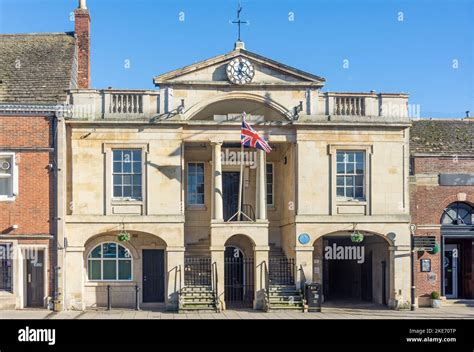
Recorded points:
(448, 312)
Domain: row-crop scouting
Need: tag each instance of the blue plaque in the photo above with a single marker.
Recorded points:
(304, 238)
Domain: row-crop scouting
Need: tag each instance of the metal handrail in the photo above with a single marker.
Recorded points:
(180, 294)
(302, 284)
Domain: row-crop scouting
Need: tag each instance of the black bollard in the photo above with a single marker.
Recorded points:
(109, 297)
(137, 297)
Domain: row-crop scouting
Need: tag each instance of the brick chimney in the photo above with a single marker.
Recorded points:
(82, 30)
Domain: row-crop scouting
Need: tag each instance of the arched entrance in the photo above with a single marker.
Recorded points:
(352, 272)
(457, 232)
(239, 272)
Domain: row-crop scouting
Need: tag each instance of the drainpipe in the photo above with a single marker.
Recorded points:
(412, 255)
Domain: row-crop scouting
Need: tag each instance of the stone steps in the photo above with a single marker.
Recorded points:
(198, 298)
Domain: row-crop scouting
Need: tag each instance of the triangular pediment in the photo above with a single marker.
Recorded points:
(213, 71)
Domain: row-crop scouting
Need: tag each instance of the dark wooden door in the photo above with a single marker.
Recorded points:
(35, 281)
(230, 185)
(153, 275)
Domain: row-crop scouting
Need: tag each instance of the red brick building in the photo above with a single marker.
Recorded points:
(442, 203)
(36, 70)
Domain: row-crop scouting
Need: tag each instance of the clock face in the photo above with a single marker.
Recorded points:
(240, 71)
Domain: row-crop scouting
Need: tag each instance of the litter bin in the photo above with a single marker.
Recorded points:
(313, 297)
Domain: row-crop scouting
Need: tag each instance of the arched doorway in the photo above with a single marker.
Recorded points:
(352, 272)
(239, 272)
(457, 232)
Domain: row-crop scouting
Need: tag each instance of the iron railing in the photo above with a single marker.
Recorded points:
(239, 282)
(282, 271)
(197, 271)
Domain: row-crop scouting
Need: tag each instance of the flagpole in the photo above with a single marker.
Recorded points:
(241, 179)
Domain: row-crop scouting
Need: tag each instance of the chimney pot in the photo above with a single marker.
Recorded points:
(468, 113)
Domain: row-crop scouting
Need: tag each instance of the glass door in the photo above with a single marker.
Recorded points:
(451, 260)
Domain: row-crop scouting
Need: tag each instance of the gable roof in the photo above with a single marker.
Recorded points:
(304, 76)
(442, 137)
(36, 68)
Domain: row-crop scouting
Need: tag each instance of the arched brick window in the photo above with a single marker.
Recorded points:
(457, 213)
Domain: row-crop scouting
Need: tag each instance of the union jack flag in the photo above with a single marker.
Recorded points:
(250, 138)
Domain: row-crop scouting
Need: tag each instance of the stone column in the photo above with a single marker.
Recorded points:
(217, 256)
(217, 175)
(175, 278)
(261, 257)
(261, 189)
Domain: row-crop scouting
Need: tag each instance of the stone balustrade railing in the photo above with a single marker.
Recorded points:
(113, 103)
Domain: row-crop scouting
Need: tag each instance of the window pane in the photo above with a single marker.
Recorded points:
(350, 192)
(117, 166)
(359, 192)
(340, 181)
(191, 198)
(94, 270)
(127, 191)
(340, 191)
(125, 269)
(117, 180)
(117, 155)
(6, 186)
(123, 252)
(200, 178)
(137, 180)
(340, 157)
(359, 156)
(269, 168)
(110, 269)
(137, 155)
(127, 167)
(360, 168)
(118, 191)
(137, 192)
(340, 168)
(96, 252)
(349, 168)
(192, 167)
(200, 167)
(349, 181)
(126, 180)
(351, 157)
(200, 199)
(137, 167)
(269, 199)
(200, 188)
(110, 250)
(359, 180)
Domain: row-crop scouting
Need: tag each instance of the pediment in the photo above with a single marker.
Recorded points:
(213, 72)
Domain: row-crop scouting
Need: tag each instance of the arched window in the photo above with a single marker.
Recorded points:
(457, 213)
(109, 262)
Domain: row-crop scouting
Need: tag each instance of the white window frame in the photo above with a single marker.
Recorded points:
(196, 205)
(131, 198)
(14, 176)
(117, 260)
(345, 175)
(272, 204)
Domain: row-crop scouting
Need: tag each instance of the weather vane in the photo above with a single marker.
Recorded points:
(239, 22)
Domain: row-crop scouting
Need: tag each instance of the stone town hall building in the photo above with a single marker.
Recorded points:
(148, 183)
(158, 165)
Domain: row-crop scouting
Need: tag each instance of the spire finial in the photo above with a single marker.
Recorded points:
(82, 4)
